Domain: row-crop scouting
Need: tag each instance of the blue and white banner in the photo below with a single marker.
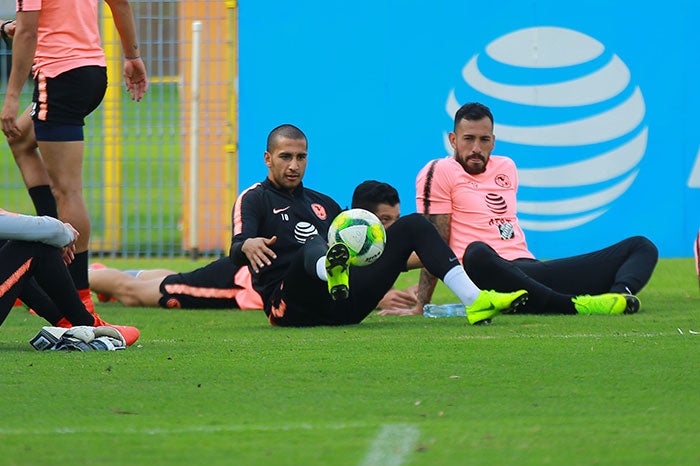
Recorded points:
(594, 100)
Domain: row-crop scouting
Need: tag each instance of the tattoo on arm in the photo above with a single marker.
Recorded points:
(427, 281)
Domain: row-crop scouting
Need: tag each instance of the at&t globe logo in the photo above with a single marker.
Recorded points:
(569, 114)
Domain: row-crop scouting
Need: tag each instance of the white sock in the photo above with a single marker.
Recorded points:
(457, 280)
(321, 268)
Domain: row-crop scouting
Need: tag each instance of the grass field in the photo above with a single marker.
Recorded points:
(223, 387)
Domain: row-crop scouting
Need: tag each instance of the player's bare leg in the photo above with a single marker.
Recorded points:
(128, 290)
(27, 157)
(64, 165)
(152, 274)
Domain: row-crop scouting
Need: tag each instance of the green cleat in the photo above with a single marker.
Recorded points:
(338, 271)
(633, 304)
(606, 303)
(490, 303)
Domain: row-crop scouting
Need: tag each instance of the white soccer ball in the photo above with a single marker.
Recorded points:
(362, 233)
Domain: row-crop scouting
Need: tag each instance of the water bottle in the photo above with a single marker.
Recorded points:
(444, 310)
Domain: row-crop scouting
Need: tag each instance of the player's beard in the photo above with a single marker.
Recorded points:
(471, 167)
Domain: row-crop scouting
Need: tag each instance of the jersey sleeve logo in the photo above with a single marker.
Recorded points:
(319, 210)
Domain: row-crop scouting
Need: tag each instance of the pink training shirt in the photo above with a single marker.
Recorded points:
(483, 207)
(68, 35)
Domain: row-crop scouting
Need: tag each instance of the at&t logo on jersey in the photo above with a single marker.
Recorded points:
(303, 231)
(568, 113)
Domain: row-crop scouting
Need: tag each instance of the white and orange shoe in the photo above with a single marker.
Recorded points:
(130, 334)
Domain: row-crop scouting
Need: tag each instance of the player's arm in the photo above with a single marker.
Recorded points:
(427, 281)
(23, 48)
(31, 228)
(249, 246)
(398, 302)
(135, 76)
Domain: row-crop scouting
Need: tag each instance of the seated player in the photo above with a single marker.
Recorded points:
(454, 193)
(33, 262)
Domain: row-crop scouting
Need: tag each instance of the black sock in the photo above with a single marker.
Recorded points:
(79, 270)
(43, 200)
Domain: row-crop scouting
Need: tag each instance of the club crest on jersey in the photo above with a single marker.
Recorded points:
(502, 180)
(319, 210)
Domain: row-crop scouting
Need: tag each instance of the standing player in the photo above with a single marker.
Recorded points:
(59, 42)
(279, 230)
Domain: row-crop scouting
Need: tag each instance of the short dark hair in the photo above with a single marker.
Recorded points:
(370, 193)
(472, 111)
(284, 131)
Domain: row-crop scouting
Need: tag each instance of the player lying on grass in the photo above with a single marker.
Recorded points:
(34, 255)
(218, 285)
(222, 284)
(280, 228)
(455, 194)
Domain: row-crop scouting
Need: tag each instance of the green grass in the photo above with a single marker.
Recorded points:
(223, 387)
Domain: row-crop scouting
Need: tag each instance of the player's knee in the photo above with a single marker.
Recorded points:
(644, 244)
(476, 253)
(129, 295)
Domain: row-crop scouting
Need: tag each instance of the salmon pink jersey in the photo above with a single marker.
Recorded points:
(68, 35)
(483, 206)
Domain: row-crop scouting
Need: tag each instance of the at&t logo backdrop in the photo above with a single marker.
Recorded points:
(569, 113)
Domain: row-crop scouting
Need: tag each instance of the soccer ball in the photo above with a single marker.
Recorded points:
(362, 233)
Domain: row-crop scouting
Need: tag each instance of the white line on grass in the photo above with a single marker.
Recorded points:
(181, 430)
(573, 335)
(391, 445)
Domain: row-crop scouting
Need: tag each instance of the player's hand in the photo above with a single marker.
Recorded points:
(9, 118)
(135, 78)
(68, 251)
(258, 252)
(10, 29)
(398, 299)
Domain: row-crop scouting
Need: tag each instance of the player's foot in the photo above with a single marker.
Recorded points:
(103, 298)
(607, 303)
(633, 304)
(130, 334)
(338, 271)
(491, 303)
(64, 323)
(86, 297)
(17, 303)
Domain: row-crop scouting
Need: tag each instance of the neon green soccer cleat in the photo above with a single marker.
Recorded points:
(606, 303)
(491, 303)
(338, 271)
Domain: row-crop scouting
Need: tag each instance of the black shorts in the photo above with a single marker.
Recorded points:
(209, 287)
(66, 99)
